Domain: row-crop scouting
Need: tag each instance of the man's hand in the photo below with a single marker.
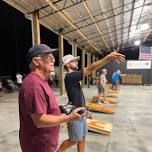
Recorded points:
(89, 115)
(74, 115)
(116, 56)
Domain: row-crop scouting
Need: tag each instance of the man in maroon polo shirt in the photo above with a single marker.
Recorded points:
(39, 112)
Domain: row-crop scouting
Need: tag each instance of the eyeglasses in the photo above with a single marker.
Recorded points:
(48, 56)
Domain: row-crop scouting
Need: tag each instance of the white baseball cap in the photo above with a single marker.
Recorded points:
(118, 71)
(104, 70)
(67, 58)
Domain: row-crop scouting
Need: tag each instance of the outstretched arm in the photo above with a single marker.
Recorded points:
(112, 56)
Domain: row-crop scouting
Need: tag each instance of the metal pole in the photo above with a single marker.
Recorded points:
(35, 28)
(61, 52)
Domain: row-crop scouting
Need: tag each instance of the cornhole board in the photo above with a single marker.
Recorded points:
(99, 108)
(113, 95)
(113, 91)
(99, 126)
(108, 99)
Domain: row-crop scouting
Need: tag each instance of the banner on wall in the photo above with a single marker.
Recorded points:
(138, 64)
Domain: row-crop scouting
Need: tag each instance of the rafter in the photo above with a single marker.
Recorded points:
(105, 20)
(122, 16)
(70, 21)
(104, 30)
(96, 25)
(111, 3)
(122, 28)
(102, 19)
(131, 18)
(61, 8)
(141, 13)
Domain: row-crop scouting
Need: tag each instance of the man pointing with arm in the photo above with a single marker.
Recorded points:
(77, 130)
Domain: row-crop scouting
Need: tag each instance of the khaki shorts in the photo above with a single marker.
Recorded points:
(101, 89)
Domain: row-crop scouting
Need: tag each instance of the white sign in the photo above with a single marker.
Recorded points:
(138, 64)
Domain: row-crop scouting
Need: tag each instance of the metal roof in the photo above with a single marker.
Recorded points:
(95, 24)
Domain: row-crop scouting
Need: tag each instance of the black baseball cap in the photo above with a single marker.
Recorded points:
(38, 49)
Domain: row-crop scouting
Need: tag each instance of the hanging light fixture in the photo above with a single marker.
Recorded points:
(137, 42)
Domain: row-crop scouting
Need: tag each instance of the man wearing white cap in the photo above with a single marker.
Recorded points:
(77, 130)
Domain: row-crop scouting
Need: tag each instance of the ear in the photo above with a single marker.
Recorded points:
(35, 61)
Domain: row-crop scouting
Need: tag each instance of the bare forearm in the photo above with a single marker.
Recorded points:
(49, 120)
(88, 70)
(45, 120)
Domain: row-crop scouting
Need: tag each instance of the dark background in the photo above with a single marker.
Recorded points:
(16, 39)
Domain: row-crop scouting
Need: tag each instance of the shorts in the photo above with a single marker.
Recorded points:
(114, 83)
(101, 89)
(77, 129)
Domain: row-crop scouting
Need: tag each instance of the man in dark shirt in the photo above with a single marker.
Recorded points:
(77, 130)
(39, 112)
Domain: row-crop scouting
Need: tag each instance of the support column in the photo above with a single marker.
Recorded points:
(94, 72)
(61, 52)
(74, 48)
(89, 58)
(35, 28)
(83, 64)
(88, 63)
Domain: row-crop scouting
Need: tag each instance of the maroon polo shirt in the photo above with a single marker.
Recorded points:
(36, 97)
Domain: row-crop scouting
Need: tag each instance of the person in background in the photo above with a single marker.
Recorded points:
(89, 81)
(39, 112)
(56, 80)
(115, 79)
(50, 79)
(77, 130)
(19, 78)
(102, 81)
(1, 88)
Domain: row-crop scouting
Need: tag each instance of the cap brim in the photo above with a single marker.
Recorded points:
(77, 58)
(49, 51)
(55, 49)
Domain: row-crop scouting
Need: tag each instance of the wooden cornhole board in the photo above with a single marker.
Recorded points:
(113, 95)
(108, 99)
(99, 108)
(113, 91)
(99, 126)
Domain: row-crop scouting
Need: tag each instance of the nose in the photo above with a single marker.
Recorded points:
(53, 59)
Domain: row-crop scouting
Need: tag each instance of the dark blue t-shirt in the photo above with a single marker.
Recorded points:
(73, 88)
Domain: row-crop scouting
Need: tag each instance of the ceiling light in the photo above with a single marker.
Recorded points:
(137, 42)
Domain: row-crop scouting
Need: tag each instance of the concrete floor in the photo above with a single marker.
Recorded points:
(132, 122)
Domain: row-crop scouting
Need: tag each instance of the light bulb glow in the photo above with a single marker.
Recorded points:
(137, 42)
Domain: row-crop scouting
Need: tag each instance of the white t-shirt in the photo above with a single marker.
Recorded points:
(19, 78)
(1, 86)
(103, 79)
